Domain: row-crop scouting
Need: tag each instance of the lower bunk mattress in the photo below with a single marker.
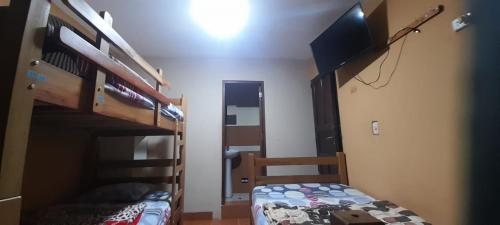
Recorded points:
(151, 209)
(311, 204)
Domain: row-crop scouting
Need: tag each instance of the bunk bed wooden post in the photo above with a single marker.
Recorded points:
(158, 104)
(251, 182)
(174, 177)
(342, 168)
(100, 77)
(20, 26)
(182, 155)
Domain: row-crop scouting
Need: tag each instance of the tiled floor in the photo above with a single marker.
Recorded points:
(218, 222)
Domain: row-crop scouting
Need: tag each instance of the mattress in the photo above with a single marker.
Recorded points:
(150, 211)
(311, 204)
(56, 54)
(122, 91)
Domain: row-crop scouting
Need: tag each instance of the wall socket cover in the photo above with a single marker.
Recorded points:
(375, 128)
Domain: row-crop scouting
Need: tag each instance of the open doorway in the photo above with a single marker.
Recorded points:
(243, 132)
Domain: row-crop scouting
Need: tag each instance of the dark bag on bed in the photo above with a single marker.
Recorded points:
(353, 217)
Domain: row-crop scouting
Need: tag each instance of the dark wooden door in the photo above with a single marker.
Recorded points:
(326, 118)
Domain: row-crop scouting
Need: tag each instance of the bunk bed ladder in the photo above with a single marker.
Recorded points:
(179, 171)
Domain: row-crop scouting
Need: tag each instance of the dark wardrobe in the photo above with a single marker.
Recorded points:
(326, 118)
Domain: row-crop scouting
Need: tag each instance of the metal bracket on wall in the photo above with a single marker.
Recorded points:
(461, 22)
(415, 24)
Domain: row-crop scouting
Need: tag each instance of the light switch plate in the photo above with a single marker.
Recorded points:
(375, 128)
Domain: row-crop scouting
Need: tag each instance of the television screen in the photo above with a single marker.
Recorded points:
(345, 39)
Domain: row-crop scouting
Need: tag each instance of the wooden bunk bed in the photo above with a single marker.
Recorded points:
(35, 90)
(310, 199)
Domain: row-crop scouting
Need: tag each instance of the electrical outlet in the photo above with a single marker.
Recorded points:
(375, 128)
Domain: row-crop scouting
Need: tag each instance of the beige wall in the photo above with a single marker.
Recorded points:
(417, 160)
(289, 117)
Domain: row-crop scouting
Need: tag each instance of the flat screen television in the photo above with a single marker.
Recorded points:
(347, 38)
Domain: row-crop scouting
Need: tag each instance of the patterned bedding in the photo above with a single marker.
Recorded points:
(170, 111)
(311, 204)
(154, 209)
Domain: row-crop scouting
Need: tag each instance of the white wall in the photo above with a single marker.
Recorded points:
(289, 117)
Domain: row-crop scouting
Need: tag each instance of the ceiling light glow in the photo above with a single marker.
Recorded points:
(221, 18)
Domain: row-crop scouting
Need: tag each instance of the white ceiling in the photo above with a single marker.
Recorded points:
(279, 29)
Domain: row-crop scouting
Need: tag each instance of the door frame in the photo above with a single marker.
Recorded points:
(262, 120)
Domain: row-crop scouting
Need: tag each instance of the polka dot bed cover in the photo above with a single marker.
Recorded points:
(311, 204)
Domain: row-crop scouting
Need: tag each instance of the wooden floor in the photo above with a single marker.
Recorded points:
(245, 221)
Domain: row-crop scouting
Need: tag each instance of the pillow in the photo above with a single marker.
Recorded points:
(124, 192)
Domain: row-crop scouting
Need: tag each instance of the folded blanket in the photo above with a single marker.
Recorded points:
(385, 211)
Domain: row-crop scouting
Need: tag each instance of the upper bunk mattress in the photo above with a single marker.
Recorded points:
(56, 54)
(311, 204)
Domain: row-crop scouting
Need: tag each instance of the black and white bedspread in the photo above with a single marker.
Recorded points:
(311, 204)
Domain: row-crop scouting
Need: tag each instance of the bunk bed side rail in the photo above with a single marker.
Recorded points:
(78, 44)
(91, 17)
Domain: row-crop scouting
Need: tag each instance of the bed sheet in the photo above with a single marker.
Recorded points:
(311, 204)
(151, 211)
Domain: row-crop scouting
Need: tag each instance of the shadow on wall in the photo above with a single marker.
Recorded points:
(378, 23)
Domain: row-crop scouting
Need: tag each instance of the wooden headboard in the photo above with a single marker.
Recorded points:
(257, 164)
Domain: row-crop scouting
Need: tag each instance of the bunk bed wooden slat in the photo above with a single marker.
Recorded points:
(115, 180)
(260, 180)
(179, 168)
(60, 88)
(84, 11)
(177, 217)
(128, 133)
(178, 195)
(113, 164)
(80, 45)
(259, 162)
(168, 124)
(117, 108)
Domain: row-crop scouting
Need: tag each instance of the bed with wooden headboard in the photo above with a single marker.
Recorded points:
(311, 199)
(70, 68)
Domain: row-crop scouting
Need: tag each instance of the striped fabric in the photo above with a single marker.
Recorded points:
(58, 55)
(54, 53)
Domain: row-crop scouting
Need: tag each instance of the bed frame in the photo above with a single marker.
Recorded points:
(176, 162)
(35, 92)
(258, 164)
